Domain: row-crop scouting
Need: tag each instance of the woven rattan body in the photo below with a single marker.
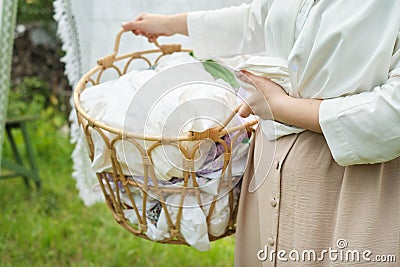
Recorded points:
(149, 187)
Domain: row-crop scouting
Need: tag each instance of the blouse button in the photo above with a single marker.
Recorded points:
(273, 202)
(277, 164)
(270, 241)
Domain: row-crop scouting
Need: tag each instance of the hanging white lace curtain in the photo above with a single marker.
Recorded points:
(87, 29)
(8, 11)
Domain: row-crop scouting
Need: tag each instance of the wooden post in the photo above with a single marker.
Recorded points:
(8, 14)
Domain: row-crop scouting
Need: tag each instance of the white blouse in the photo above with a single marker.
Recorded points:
(345, 52)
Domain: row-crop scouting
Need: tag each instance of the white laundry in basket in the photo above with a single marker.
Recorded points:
(158, 102)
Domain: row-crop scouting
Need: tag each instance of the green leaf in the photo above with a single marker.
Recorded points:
(218, 71)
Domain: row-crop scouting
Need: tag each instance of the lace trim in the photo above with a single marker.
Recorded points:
(67, 30)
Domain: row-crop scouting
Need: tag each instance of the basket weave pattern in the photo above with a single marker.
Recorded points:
(118, 188)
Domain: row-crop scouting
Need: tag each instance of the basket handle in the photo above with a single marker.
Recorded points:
(109, 60)
(118, 40)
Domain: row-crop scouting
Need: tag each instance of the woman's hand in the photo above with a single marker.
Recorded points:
(270, 102)
(154, 25)
(264, 95)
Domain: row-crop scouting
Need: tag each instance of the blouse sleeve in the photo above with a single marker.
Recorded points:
(365, 128)
(229, 31)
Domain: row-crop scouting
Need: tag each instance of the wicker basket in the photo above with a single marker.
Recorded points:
(118, 189)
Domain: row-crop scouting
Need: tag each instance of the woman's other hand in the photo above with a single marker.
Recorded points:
(263, 95)
(270, 102)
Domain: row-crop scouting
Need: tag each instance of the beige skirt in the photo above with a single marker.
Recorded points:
(298, 207)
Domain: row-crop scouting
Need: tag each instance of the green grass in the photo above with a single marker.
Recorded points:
(54, 228)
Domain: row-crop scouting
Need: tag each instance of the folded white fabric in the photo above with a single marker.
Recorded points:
(276, 70)
(221, 214)
(107, 102)
(272, 68)
(193, 225)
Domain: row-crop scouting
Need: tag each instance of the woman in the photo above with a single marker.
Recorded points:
(330, 194)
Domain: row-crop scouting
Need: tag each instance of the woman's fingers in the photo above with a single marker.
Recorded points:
(131, 25)
(243, 76)
(154, 25)
(257, 99)
(245, 111)
(141, 25)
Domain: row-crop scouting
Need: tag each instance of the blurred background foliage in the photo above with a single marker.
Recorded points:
(37, 78)
(38, 11)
